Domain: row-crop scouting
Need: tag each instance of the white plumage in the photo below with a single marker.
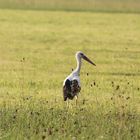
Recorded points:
(72, 77)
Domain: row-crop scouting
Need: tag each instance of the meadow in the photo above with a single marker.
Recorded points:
(37, 52)
(74, 5)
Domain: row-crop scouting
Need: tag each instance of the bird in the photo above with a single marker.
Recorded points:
(71, 84)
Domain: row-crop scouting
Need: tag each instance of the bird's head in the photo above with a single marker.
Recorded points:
(80, 55)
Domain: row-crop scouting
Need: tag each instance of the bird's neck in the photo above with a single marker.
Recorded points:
(78, 68)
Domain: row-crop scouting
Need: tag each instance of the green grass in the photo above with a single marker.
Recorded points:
(37, 51)
(77, 5)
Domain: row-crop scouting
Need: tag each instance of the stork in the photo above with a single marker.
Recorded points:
(71, 85)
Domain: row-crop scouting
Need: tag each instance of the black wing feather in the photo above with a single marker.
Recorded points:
(66, 89)
(70, 89)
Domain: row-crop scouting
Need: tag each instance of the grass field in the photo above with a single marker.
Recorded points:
(37, 51)
(77, 5)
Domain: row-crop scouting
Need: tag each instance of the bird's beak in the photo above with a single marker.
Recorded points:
(88, 60)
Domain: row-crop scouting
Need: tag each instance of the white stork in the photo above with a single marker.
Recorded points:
(71, 85)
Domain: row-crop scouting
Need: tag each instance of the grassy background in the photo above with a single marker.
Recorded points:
(88, 5)
(37, 51)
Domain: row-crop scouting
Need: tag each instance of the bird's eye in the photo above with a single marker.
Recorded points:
(82, 54)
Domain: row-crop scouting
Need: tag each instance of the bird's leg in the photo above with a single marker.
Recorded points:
(76, 100)
(68, 103)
